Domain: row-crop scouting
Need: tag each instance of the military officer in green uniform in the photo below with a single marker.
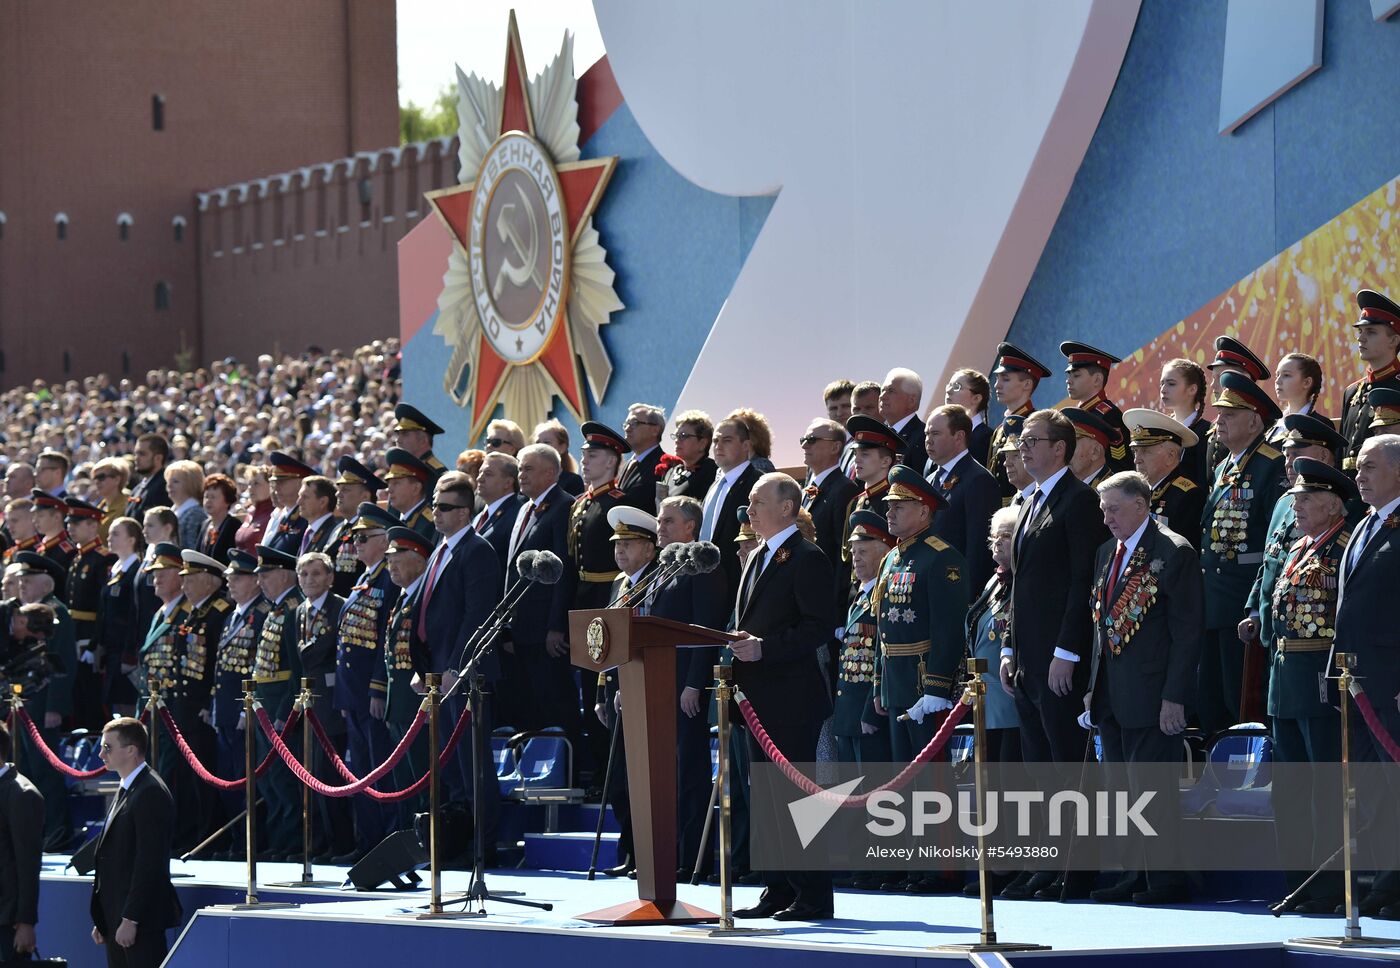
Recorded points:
(1086, 381)
(87, 575)
(1377, 340)
(414, 432)
(161, 650)
(277, 680)
(1298, 630)
(590, 535)
(861, 735)
(407, 561)
(1016, 375)
(410, 485)
(1159, 442)
(355, 484)
(1231, 356)
(1235, 527)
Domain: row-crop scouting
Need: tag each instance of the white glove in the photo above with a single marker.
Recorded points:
(1084, 720)
(89, 657)
(926, 706)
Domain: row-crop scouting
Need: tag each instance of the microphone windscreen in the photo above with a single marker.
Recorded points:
(548, 568)
(667, 557)
(687, 559)
(706, 557)
(525, 564)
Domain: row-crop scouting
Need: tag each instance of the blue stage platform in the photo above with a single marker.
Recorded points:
(344, 928)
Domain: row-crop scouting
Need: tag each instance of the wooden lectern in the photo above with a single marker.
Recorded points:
(643, 649)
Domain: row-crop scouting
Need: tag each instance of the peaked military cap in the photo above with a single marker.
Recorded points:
(403, 539)
(867, 525)
(82, 509)
(371, 517)
(1317, 476)
(350, 471)
(870, 432)
(241, 563)
(1014, 423)
(1239, 392)
(1306, 430)
(408, 417)
(403, 464)
(746, 531)
(1148, 427)
(597, 435)
(1385, 404)
(1082, 354)
(270, 559)
(44, 501)
(1013, 359)
(285, 465)
(165, 554)
(628, 522)
(1231, 352)
(196, 563)
(33, 563)
(1377, 309)
(1089, 425)
(907, 484)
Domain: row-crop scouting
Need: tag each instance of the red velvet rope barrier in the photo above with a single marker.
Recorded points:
(380, 771)
(808, 786)
(37, 739)
(219, 783)
(1373, 720)
(363, 785)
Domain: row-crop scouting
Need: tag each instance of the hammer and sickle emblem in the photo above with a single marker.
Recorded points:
(526, 271)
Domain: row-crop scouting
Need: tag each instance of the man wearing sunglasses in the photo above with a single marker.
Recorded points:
(637, 477)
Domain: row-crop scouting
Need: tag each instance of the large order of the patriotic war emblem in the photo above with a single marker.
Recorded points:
(528, 286)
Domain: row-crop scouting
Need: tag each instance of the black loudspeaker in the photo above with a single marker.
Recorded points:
(394, 859)
(455, 830)
(84, 859)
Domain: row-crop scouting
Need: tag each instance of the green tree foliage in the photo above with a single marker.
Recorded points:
(439, 119)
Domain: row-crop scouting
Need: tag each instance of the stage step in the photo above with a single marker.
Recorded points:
(568, 851)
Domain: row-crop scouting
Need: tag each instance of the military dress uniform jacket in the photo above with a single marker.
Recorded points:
(1357, 412)
(59, 549)
(590, 544)
(1147, 629)
(404, 655)
(871, 498)
(26, 544)
(856, 670)
(1303, 610)
(199, 634)
(237, 654)
(278, 667)
(87, 576)
(161, 650)
(1235, 527)
(341, 547)
(996, 460)
(1193, 458)
(364, 624)
(420, 520)
(920, 599)
(316, 638)
(1282, 536)
(1177, 503)
(62, 654)
(1117, 454)
(286, 537)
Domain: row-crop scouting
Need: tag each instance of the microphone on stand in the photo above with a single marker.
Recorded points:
(527, 566)
(666, 561)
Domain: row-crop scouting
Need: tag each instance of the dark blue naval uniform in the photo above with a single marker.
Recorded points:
(277, 673)
(238, 650)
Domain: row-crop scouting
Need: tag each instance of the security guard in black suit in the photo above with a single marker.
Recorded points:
(286, 526)
(87, 578)
(355, 484)
(590, 535)
(277, 680)
(1378, 336)
(1016, 374)
(1231, 356)
(1159, 444)
(1235, 529)
(414, 432)
(410, 484)
(1086, 381)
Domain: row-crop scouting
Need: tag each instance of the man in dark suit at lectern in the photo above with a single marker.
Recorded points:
(785, 615)
(133, 901)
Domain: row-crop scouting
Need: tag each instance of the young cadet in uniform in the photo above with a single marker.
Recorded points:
(919, 601)
(359, 668)
(590, 535)
(877, 450)
(1297, 629)
(87, 576)
(410, 483)
(407, 561)
(54, 544)
(1159, 443)
(209, 607)
(861, 735)
(1093, 438)
(286, 526)
(1231, 356)
(1235, 527)
(1016, 375)
(1086, 382)
(414, 433)
(237, 652)
(1377, 341)
(355, 484)
(277, 680)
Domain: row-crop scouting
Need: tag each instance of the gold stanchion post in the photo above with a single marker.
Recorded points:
(308, 879)
(433, 700)
(153, 707)
(976, 695)
(1351, 936)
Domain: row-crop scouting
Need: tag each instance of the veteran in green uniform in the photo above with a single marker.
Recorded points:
(407, 561)
(861, 735)
(277, 680)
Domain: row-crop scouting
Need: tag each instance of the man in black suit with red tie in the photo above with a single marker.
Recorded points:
(785, 614)
(498, 487)
(133, 901)
(1045, 663)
